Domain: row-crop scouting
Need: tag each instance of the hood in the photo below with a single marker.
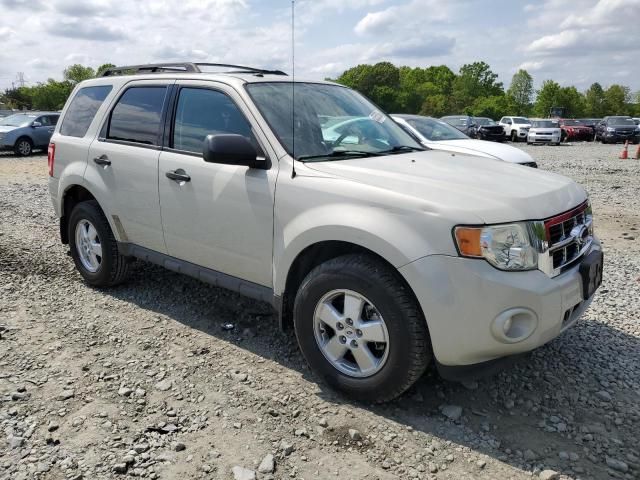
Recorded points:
(7, 128)
(463, 185)
(482, 148)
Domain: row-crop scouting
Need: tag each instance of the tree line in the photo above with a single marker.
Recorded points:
(475, 90)
(434, 91)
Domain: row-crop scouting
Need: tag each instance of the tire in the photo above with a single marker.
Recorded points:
(563, 137)
(23, 147)
(400, 361)
(514, 136)
(112, 268)
(557, 144)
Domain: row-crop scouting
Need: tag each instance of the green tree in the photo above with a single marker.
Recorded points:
(77, 73)
(435, 105)
(419, 84)
(547, 98)
(19, 98)
(572, 100)
(51, 95)
(521, 92)
(595, 105)
(474, 81)
(493, 107)
(100, 70)
(379, 82)
(617, 99)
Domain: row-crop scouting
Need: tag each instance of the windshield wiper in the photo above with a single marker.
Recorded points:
(340, 154)
(402, 149)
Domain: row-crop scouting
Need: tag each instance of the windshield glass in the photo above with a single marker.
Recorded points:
(17, 120)
(544, 124)
(521, 120)
(457, 121)
(435, 130)
(574, 123)
(485, 122)
(623, 122)
(330, 121)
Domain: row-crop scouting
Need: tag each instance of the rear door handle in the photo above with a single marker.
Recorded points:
(102, 160)
(178, 175)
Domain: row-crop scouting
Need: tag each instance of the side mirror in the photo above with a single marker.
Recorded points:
(36, 124)
(231, 149)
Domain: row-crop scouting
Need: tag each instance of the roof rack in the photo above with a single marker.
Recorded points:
(184, 67)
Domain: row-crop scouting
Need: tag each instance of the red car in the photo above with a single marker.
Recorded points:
(574, 130)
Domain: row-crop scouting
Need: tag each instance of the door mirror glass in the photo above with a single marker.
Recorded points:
(36, 124)
(231, 149)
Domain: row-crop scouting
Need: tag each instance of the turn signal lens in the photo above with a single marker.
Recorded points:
(468, 239)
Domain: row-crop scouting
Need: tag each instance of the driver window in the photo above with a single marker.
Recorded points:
(44, 121)
(201, 112)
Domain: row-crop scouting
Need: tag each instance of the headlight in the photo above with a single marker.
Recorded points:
(507, 247)
(609, 129)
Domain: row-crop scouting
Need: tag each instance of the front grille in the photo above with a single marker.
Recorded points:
(569, 235)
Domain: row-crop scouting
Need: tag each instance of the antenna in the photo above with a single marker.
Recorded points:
(293, 87)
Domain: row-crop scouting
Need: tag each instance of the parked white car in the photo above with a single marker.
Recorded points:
(544, 131)
(439, 135)
(382, 255)
(515, 128)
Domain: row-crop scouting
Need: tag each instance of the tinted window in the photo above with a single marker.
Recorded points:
(44, 121)
(435, 130)
(136, 117)
(203, 112)
(53, 119)
(82, 109)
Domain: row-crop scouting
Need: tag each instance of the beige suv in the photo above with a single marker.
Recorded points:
(382, 254)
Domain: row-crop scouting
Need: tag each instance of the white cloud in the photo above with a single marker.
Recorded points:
(531, 66)
(406, 18)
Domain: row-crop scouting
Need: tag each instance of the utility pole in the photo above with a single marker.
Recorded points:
(20, 78)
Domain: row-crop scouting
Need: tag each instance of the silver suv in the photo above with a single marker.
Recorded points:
(381, 254)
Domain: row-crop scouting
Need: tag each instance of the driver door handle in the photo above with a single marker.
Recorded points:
(178, 175)
(102, 160)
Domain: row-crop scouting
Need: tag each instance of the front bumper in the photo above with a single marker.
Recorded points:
(534, 138)
(465, 302)
(617, 137)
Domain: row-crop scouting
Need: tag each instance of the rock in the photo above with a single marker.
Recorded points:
(52, 427)
(179, 446)
(285, 448)
(267, 465)
(15, 442)
(548, 475)
(323, 422)
(239, 377)
(452, 412)
(509, 404)
(433, 468)
(563, 455)
(529, 455)
(241, 473)
(125, 392)
(141, 447)
(617, 465)
(481, 463)
(604, 396)
(301, 432)
(120, 468)
(354, 434)
(66, 395)
(470, 384)
(164, 385)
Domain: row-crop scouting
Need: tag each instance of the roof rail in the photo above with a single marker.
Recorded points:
(184, 67)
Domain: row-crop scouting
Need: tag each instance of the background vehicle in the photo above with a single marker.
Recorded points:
(617, 129)
(381, 254)
(592, 123)
(544, 131)
(464, 123)
(574, 130)
(439, 135)
(516, 128)
(25, 132)
(489, 129)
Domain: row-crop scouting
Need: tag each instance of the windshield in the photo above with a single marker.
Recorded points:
(457, 121)
(521, 120)
(435, 130)
(17, 120)
(573, 123)
(485, 122)
(622, 122)
(544, 124)
(330, 121)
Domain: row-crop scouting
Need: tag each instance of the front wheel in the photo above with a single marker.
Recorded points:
(23, 147)
(94, 248)
(514, 136)
(360, 328)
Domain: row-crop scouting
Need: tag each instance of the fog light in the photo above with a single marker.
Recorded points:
(514, 325)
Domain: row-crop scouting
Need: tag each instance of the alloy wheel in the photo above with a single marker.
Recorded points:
(88, 246)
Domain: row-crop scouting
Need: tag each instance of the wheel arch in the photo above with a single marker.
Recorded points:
(72, 195)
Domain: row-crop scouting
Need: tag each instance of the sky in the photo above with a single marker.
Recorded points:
(575, 42)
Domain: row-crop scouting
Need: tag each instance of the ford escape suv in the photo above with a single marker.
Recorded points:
(382, 255)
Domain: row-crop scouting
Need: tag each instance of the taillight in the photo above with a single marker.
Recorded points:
(51, 156)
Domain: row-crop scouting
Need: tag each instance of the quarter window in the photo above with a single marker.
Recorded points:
(82, 109)
(137, 115)
(201, 112)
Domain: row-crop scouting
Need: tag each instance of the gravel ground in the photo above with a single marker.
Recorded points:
(143, 380)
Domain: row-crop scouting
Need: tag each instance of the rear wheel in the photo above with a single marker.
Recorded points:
(94, 248)
(23, 147)
(514, 136)
(360, 328)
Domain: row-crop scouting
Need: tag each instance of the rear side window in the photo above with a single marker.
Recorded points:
(202, 112)
(137, 115)
(82, 109)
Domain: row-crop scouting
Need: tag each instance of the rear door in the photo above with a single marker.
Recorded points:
(124, 161)
(222, 218)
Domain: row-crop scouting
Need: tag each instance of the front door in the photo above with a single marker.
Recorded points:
(43, 132)
(222, 217)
